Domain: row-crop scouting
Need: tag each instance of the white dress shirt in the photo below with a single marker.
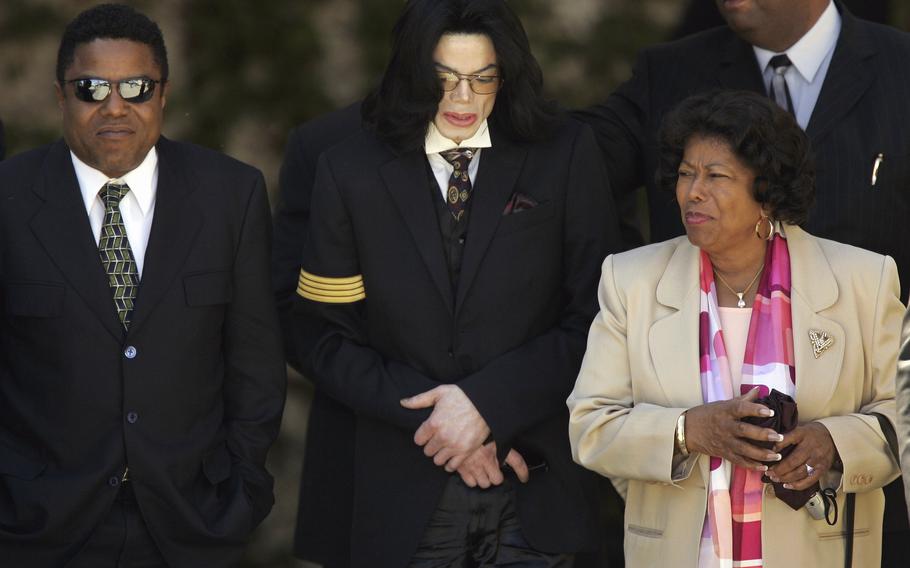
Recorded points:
(137, 207)
(442, 169)
(810, 56)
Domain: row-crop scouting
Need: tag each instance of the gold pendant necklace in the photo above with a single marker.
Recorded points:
(741, 303)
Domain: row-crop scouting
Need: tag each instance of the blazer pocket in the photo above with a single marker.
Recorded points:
(208, 288)
(35, 299)
(525, 219)
(216, 465)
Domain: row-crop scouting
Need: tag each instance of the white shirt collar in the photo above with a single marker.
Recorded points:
(436, 142)
(810, 51)
(142, 180)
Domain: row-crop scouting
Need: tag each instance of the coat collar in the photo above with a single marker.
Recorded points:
(673, 339)
(63, 228)
(405, 177)
(849, 76)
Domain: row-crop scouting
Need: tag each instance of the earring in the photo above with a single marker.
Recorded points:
(758, 225)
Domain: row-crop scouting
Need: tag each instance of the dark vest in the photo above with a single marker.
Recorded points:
(454, 233)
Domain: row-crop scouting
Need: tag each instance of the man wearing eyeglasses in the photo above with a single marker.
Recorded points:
(141, 373)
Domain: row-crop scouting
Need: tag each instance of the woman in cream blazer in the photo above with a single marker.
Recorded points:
(641, 372)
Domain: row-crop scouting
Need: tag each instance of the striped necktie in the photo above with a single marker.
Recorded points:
(116, 254)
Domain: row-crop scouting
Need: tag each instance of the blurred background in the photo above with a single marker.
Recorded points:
(244, 72)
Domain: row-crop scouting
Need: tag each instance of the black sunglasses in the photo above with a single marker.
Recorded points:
(92, 90)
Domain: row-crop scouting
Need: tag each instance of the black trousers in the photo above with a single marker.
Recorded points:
(478, 528)
(122, 540)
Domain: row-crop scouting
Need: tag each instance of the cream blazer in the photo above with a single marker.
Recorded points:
(640, 372)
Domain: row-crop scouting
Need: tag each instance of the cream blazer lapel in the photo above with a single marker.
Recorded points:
(673, 340)
(814, 289)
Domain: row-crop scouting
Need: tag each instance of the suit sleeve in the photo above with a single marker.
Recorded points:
(255, 377)
(328, 318)
(522, 387)
(290, 223)
(863, 448)
(620, 126)
(608, 432)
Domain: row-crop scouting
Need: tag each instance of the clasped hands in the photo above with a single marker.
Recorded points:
(454, 436)
(716, 429)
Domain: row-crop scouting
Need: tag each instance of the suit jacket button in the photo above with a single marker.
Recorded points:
(114, 481)
(451, 355)
(132, 417)
(130, 352)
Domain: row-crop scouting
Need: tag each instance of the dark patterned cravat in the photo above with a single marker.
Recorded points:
(459, 183)
(116, 254)
(780, 92)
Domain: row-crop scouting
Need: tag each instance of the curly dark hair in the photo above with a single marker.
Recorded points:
(401, 108)
(111, 21)
(764, 136)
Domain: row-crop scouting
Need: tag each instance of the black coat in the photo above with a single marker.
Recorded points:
(323, 532)
(204, 388)
(861, 112)
(511, 333)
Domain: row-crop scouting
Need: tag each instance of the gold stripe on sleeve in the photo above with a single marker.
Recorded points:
(331, 290)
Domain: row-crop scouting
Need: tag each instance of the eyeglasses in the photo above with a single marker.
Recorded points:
(480, 84)
(92, 90)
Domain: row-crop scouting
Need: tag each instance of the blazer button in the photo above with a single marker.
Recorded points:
(451, 355)
(132, 417)
(130, 352)
(114, 481)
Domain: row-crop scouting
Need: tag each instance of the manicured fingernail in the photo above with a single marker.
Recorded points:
(773, 457)
(775, 437)
(762, 468)
(766, 412)
(788, 486)
(774, 478)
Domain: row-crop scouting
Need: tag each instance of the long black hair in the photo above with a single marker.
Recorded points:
(401, 108)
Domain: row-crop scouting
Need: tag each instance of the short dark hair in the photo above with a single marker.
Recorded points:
(763, 135)
(401, 108)
(111, 21)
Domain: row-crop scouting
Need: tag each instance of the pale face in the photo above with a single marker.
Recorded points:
(112, 136)
(462, 111)
(715, 195)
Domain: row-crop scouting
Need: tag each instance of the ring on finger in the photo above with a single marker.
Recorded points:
(809, 470)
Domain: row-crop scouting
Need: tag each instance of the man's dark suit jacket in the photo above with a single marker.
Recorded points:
(192, 408)
(511, 333)
(862, 112)
(324, 519)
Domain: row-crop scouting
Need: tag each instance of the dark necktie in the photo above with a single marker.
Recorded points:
(116, 254)
(459, 183)
(779, 90)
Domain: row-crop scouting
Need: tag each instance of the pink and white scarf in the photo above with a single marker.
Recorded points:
(731, 536)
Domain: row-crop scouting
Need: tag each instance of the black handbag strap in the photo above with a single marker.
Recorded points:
(850, 507)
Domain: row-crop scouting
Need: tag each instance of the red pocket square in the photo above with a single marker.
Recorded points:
(519, 202)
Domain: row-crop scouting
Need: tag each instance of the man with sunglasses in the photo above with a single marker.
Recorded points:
(141, 373)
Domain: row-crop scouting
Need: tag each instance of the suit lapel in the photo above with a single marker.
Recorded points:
(813, 290)
(738, 67)
(176, 223)
(673, 340)
(500, 166)
(406, 180)
(848, 77)
(63, 229)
